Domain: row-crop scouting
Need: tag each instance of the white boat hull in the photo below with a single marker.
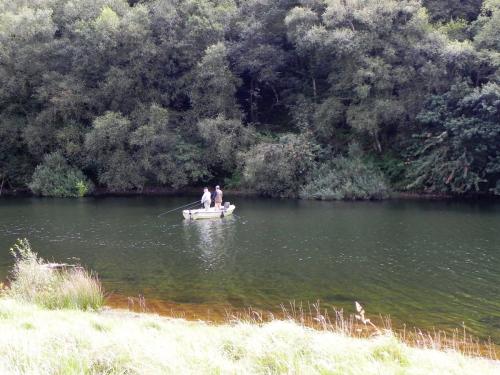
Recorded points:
(211, 213)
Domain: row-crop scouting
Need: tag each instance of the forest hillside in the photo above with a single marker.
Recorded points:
(326, 99)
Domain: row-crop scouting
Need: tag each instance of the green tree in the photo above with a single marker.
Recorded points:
(256, 47)
(56, 178)
(223, 139)
(386, 58)
(109, 153)
(16, 166)
(488, 26)
(162, 154)
(214, 91)
(459, 152)
(279, 169)
(446, 10)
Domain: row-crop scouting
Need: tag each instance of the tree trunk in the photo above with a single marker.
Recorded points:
(314, 88)
(252, 114)
(311, 74)
(276, 96)
(378, 146)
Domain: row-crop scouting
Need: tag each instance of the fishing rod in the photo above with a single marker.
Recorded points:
(175, 209)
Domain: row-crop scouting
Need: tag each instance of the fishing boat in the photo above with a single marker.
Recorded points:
(210, 213)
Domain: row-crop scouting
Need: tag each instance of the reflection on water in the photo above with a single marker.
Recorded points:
(212, 239)
(431, 264)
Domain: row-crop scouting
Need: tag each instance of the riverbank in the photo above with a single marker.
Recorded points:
(37, 340)
(165, 191)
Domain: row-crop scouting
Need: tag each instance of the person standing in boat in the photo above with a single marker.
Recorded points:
(218, 197)
(205, 199)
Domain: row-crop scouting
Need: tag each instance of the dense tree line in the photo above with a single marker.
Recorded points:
(312, 98)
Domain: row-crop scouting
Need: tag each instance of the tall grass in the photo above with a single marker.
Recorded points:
(52, 286)
(359, 326)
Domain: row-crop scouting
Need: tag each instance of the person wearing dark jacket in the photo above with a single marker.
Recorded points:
(218, 197)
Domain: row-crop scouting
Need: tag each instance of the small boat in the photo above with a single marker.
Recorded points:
(210, 213)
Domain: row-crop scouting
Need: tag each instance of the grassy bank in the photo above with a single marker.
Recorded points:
(36, 340)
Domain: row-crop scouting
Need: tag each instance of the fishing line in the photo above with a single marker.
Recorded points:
(178, 208)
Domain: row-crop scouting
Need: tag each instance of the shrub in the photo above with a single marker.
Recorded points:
(36, 281)
(56, 178)
(346, 178)
(278, 169)
(392, 167)
(82, 188)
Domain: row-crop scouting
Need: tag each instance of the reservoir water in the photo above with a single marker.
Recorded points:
(425, 263)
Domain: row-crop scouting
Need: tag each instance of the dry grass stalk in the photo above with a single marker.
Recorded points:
(358, 325)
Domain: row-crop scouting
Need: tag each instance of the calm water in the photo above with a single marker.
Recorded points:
(431, 264)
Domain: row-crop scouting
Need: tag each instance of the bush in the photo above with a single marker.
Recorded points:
(393, 168)
(36, 281)
(56, 178)
(346, 178)
(278, 169)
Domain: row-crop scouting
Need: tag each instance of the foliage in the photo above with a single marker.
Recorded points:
(393, 168)
(161, 154)
(460, 153)
(56, 178)
(215, 85)
(34, 280)
(15, 164)
(346, 178)
(488, 24)
(82, 188)
(278, 169)
(168, 93)
(223, 138)
(441, 10)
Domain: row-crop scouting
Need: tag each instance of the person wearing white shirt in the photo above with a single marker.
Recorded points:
(205, 199)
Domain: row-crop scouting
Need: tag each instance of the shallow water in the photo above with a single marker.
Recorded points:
(426, 263)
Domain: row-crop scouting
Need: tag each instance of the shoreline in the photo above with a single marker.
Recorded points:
(220, 314)
(166, 192)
